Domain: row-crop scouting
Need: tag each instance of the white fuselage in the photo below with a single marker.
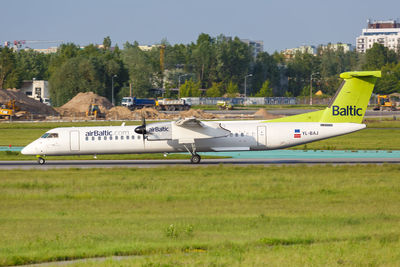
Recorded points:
(244, 135)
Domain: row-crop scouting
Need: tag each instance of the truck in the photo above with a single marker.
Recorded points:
(137, 103)
(172, 104)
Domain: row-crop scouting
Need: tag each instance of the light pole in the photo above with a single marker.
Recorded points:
(315, 73)
(245, 84)
(112, 89)
(179, 84)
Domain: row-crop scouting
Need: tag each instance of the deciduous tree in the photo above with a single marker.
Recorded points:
(266, 90)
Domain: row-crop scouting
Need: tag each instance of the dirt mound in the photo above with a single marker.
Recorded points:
(82, 101)
(120, 113)
(262, 113)
(25, 103)
(198, 113)
(150, 113)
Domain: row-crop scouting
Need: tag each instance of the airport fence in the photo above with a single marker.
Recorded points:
(258, 100)
(242, 100)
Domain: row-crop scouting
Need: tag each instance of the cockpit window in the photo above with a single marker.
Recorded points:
(50, 135)
(53, 135)
(45, 135)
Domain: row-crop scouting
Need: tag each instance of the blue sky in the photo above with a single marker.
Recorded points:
(280, 24)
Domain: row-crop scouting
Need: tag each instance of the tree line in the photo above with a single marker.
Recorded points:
(221, 65)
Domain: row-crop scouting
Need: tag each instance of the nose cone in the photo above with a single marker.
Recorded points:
(141, 129)
(29, 150)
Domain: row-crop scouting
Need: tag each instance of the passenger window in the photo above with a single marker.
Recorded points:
(116, 137)
(99, 137)
(127, 137)
(231, 135)
(92, 138)
(138, 137)
(122, 137)
(87, 138)
(110, 137)
(242, 134)
(236, 135)
(133, 137)
(105, 137)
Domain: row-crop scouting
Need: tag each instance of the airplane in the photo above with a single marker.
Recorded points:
(344, 115)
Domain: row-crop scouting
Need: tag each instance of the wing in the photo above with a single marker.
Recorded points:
(188, 129)
(188, 122)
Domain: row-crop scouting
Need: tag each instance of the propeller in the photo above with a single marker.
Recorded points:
(142, 128)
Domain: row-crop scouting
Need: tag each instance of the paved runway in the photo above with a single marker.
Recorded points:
(51, 164)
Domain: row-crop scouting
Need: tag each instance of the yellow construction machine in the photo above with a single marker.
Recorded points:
(94, 111)
(224, 105)
(8, 110)
(385, 102)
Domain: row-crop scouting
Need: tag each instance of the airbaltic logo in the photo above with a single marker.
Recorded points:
(158, 129)
(98, 133)
(347, 111)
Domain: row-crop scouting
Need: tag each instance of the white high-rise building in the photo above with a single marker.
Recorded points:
(386, 33)
(256, 46)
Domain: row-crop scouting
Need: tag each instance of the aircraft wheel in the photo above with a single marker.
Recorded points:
(195, 159)
(41, 161)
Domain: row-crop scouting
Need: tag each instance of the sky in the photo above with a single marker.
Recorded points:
(280, 24)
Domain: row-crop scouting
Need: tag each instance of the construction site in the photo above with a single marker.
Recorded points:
(16, 106)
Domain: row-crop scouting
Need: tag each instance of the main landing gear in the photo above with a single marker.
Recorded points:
(41, 160)
(195, 159)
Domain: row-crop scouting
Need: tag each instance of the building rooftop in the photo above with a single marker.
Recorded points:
(383, 24)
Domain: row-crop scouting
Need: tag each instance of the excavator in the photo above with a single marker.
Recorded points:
(94, 112)
(8, 110)
(386, 102)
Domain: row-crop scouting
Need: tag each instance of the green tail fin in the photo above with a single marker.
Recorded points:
(349, 103)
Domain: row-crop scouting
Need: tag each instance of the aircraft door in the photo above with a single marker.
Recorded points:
(74, 140)
(261, 136)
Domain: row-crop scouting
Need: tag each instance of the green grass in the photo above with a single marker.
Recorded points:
(382, 123)
(219, 216)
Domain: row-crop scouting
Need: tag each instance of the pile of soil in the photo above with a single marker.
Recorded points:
(150, 113)
(120, 113)
(25, 103)
(262, 113)
(82, 101)
(197, 113)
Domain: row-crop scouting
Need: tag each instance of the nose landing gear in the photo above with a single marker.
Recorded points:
(41, 160)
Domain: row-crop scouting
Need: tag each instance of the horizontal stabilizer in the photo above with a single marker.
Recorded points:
(352, 74)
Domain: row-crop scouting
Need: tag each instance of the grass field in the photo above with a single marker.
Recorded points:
(208, 216)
